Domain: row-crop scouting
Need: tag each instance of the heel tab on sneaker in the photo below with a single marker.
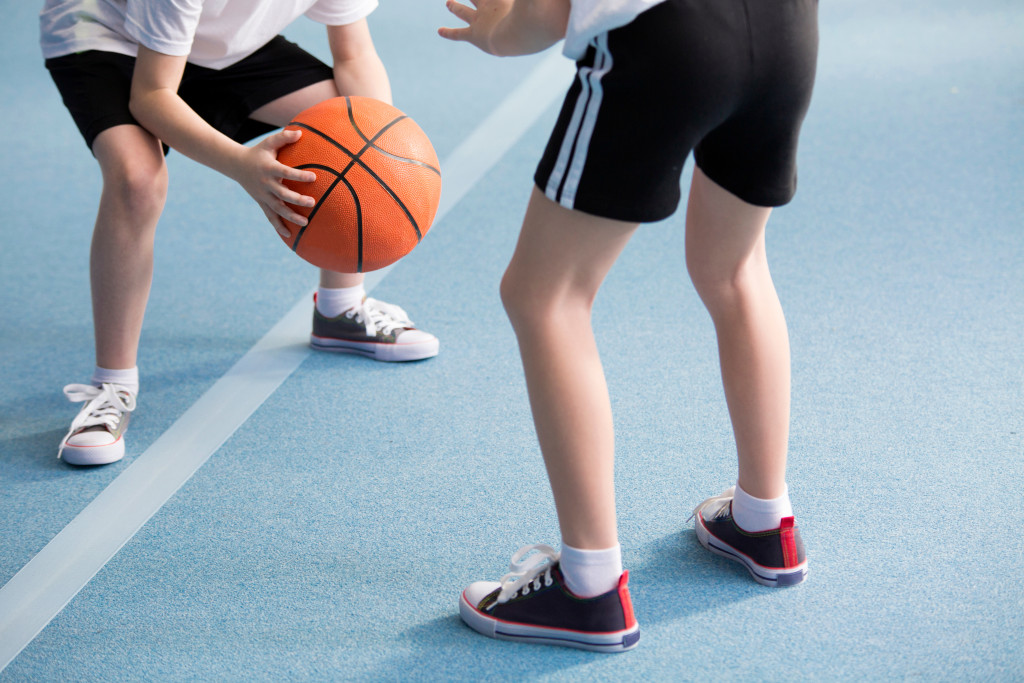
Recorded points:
(787, 537)
(626, 600)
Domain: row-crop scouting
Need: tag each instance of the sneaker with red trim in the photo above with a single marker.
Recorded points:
(774, 557)
(374, 329)
(532, 604)
(96, 436)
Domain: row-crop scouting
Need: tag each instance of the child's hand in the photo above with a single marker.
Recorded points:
(260, 173)
(482, 22)
(509, 27)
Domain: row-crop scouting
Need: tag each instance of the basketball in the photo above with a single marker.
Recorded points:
(377, 187)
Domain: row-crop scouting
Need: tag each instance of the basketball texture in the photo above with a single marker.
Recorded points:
(377, 187)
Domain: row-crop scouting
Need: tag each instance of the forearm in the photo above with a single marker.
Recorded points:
(159, 109)
(364, 75)
(358, 69)
(156, 105)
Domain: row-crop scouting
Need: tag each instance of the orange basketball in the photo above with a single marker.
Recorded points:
(377, 184)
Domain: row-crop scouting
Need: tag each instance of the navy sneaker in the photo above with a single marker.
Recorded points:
(774, 557)
(532, 604)
(374, 329)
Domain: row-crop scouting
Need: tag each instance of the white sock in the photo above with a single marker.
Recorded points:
(589, 573)
(128, 379)
(333, 302)
(758, 514)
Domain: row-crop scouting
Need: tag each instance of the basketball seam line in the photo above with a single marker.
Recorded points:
(370, 141)
(365, 167)
(359, 222)
(316, 207)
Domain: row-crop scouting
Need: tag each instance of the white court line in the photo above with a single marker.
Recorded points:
(44, 586)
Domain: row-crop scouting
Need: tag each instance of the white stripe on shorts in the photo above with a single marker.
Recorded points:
(572, 156)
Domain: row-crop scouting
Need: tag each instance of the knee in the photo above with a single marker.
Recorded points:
(530, 307)
(706, 279)
(536, 307)
(515, 298)
(723, 288)
(144, 189)
(138, 187)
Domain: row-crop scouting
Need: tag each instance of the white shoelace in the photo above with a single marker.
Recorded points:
(104, 406)
(524, 573)
(379, 316)
(716, 505)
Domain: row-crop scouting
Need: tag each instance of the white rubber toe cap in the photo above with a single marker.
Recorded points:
(476, 592)
(93, 448)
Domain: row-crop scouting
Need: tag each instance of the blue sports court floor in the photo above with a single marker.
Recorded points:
(288, 515)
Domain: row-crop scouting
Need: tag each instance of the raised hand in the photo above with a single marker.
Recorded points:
(482, 22)
(509, 27)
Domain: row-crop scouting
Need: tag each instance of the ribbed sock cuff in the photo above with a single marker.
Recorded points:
(333, 302)
(759, 514)
(126, 378)
(589, 573)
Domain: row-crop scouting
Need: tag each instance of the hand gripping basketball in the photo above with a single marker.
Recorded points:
(377, 189)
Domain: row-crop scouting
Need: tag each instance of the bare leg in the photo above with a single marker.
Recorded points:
(726, 258)
(121, 258)
(548, 290)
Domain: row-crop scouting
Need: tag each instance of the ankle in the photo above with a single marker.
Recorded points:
(127, 378)
(589, 573)
(760, 514)
(332, 302)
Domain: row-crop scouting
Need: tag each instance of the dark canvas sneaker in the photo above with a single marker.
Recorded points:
(374, 329)
(96, 436)
(531, 604)
(774, 557)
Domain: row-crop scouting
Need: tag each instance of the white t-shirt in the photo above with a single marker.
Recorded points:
(212, 33)
(589, 18)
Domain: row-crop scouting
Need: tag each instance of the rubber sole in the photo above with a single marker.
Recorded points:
(617, 641)
(392, 353)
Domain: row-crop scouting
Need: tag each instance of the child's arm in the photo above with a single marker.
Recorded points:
(156, 105)
(358, 69)
(510, 27)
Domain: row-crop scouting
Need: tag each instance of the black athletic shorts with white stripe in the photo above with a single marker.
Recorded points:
(730, 80)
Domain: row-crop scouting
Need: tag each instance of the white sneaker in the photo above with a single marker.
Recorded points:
(96, 436)
(374, 329)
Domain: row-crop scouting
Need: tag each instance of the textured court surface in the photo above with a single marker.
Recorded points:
(329, 536)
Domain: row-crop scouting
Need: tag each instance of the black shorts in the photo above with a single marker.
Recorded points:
(729, 79)
(96, 86)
